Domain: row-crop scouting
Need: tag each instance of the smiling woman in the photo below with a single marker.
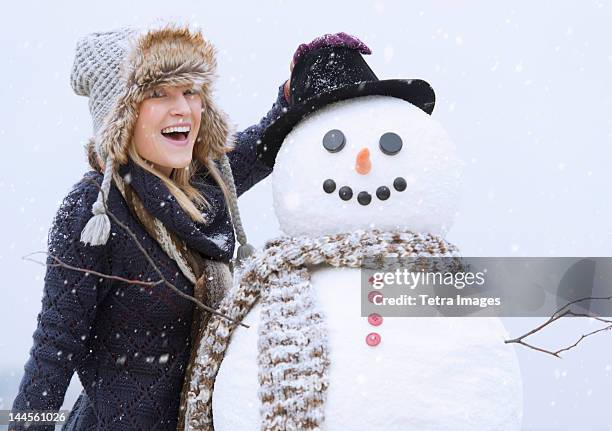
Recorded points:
(167, 170)
(165, 132)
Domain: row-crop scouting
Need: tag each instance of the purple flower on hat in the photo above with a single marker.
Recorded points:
(338, 39)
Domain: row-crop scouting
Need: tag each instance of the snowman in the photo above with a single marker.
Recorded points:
(363, 170)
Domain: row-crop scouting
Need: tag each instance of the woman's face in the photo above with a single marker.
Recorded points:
(167, 127)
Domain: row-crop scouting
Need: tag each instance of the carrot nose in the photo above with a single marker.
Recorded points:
(363, 165)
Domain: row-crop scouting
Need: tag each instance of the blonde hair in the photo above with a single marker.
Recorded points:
(179, 182)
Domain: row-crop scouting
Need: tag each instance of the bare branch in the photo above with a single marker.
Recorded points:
(607, 328)
(60, 263)
(588, 298)
(539, 349)
(558, 315)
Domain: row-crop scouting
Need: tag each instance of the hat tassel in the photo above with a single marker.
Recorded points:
(97, 229)
(245, 249)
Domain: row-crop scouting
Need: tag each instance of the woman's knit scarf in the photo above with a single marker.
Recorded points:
(293, 355)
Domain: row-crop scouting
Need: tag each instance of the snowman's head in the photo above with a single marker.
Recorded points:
(368, 162)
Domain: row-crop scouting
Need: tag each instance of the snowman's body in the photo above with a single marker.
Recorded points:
(427, 373)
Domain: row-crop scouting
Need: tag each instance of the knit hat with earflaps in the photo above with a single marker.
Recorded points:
(115, 69)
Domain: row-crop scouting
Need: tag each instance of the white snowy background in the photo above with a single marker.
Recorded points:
(522, 87)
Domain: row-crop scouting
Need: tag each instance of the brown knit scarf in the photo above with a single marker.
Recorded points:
(292, 332)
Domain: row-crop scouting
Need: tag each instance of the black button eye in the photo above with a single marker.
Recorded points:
(334, 141)
(390, 143)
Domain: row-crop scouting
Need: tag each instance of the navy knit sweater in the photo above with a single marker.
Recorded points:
(128, 344)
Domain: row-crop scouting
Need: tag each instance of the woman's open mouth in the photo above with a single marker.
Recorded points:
(177, 135)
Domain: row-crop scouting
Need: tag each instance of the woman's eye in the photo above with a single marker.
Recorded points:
(334, 141)
(390, 143)
(157, 93)
(191, 92)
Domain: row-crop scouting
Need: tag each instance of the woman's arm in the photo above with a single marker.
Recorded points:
(247, 169)
(68, 310)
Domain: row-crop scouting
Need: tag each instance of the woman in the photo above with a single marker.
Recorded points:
(162, 174)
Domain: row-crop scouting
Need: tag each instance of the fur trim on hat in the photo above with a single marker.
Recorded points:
(92, 156)
(170, 56)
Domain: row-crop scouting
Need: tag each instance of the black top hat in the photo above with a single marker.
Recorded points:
(331, 74)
